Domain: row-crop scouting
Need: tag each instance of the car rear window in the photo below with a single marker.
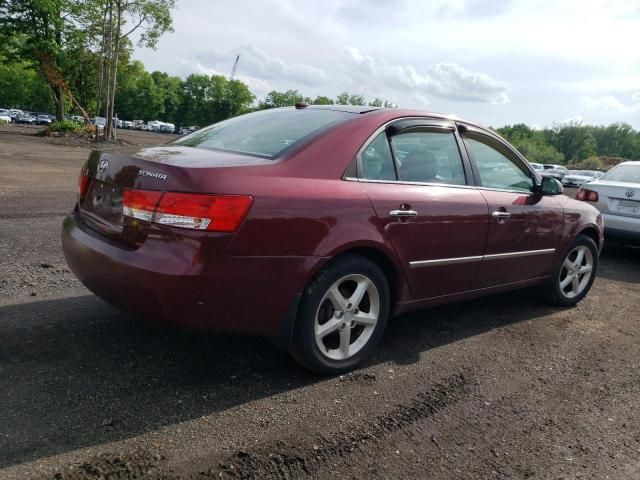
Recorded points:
(267, 133)
(623, 173)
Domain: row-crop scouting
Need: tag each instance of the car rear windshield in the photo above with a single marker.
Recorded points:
(623, 173)
(267, 133)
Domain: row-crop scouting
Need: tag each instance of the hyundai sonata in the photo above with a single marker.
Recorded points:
(314, 226)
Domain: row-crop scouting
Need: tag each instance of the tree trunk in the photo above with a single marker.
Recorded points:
(103, 47)
(107, 109)
(58, 95)
(114, 70)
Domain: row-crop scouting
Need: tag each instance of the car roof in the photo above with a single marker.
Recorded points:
(343, 108)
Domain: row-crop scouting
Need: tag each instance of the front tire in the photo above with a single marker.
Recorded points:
(343, 314)
(573, 279)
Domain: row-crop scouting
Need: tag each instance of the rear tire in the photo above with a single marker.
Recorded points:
(573, 279)
(342, 316)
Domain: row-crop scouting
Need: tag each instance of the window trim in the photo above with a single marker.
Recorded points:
(426, 123)
(517, 157)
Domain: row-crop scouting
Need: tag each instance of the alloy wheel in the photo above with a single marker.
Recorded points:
(576, 271)
(347, 316)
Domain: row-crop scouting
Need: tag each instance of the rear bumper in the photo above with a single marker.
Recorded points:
(617, 227)
(188, 282)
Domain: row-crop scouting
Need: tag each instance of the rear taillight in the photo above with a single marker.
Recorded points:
(140, 204)
(83, 184)
(587, 195)
(216, 213)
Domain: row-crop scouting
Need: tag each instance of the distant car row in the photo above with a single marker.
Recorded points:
(18, 116)
(150, 126)
(568, 178)
(14, 115)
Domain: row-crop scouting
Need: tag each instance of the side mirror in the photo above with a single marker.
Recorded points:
(551, 186)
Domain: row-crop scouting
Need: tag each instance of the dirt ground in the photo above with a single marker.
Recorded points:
(499, 388)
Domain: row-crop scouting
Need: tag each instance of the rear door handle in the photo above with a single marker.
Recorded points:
(403, 213)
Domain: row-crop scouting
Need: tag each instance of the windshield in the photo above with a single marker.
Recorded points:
(623, 173)
(267, 133)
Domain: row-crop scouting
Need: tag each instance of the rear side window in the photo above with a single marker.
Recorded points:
(267, 133)
(428, 157)
(376, 162)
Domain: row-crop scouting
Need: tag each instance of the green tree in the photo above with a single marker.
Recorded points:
(206, 100)
(531, 143)
(138, 95)
(276, 99)
(168, 88)
(617, 140)
(343, 98)
(322, 100)
(573, 140)
(39, 32)
(356, 100)
(120, 19)
(22, 86)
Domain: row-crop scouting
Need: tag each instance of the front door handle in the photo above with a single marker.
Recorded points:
(501, 217)
(403, 213)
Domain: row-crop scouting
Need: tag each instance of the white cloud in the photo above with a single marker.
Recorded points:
(446, 80)
(612, 104)
(495, 61)
(258, 64)
(572, 119)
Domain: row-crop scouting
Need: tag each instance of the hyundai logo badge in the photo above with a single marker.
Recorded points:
(629, 193)
(103, 165)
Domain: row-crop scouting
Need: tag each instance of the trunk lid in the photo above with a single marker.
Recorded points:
(164, 168)
(617, 198)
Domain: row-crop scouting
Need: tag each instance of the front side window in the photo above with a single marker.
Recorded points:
(428, 157)
(497, 169)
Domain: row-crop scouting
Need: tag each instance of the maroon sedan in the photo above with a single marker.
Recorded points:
(314, 226)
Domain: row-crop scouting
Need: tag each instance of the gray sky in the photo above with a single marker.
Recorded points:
(496, 62)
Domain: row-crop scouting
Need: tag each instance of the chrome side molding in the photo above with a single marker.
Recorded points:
(479, 258)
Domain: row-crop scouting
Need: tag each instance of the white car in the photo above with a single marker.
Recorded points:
(538, 167)
(617, 195)
(580, 177)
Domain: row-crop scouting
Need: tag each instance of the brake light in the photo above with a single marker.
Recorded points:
(217, 213)
(83, 184)
(586, 195)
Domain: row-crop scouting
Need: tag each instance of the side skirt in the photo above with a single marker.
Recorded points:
(471, 294)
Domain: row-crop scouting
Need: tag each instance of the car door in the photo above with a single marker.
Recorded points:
(524, 226)
(419, 183)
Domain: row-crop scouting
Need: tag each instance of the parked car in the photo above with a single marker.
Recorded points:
(128, 125)
(43, 119)
(315, 225)
(617, 195)
(538, 167)
(4, 115)
(99, 122)
(580, 177)
(557, 173)
(25, 118)
(14, 112)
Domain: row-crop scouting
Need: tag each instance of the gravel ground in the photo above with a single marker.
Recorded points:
(502, 387)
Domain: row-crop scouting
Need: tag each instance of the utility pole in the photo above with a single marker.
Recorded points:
(234, 68)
